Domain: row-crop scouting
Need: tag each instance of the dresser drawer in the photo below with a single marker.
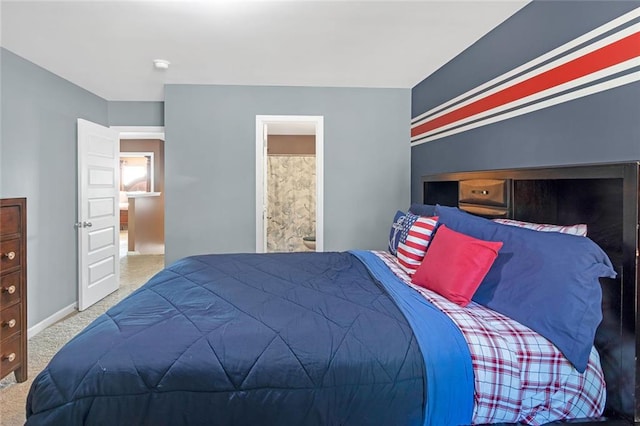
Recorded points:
(487, 212)
(11, 356)
(486, 192)
(10, 288)
(10, 220)
(10, 254)
(10, 321)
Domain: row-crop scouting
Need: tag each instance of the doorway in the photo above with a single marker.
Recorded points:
(289, 183)
(142, 192)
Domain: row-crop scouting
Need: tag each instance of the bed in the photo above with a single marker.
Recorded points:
(339, 338)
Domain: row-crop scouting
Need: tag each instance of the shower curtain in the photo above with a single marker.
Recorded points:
(291, 201)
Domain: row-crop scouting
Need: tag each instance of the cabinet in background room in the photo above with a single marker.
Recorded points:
(13, 289)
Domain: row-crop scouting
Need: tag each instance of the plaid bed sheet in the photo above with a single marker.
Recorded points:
(520, 377)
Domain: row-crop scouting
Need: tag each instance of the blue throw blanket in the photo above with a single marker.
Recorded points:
(449, 371)
(302, 338)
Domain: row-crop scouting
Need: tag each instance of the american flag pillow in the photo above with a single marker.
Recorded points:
(414, 240)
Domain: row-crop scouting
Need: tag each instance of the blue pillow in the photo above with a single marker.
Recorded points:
(396, 229)
(422, 209)
(547, 281)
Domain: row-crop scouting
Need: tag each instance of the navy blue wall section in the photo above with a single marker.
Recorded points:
(602, 127)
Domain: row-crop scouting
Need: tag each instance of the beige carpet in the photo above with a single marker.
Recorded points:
(134, 271)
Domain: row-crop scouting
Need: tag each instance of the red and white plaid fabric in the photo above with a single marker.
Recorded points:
(520, 377)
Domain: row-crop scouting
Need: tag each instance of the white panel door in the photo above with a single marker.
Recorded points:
(98, 213)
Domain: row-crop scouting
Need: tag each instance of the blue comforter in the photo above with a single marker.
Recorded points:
(255, 339)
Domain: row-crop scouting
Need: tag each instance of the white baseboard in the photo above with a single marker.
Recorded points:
(32, 331)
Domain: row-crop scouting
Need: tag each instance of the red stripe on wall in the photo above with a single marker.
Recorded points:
(609, 55)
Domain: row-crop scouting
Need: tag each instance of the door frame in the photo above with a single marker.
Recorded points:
(262, 123)
(140, 132)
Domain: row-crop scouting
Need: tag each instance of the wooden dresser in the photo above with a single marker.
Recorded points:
(13, 288)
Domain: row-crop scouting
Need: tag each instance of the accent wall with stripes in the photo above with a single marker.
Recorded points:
(557, 83)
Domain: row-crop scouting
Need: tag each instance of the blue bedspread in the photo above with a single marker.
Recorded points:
(251, 339)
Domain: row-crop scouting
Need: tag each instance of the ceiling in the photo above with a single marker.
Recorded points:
(108, 47)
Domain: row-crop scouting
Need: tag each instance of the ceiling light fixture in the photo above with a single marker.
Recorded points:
(161, 64)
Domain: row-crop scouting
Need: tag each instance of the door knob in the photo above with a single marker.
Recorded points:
(84, 224)
(11, 255)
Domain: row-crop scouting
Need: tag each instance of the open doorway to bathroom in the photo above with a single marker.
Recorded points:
(289, 183)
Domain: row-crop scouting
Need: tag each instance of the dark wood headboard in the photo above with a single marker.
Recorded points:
(605, 197)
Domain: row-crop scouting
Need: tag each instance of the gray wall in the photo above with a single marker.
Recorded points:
(604, 127)
(210, 163)
(38, 145)
(128, 113)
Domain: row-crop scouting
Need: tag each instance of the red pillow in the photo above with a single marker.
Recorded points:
(455, 264)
